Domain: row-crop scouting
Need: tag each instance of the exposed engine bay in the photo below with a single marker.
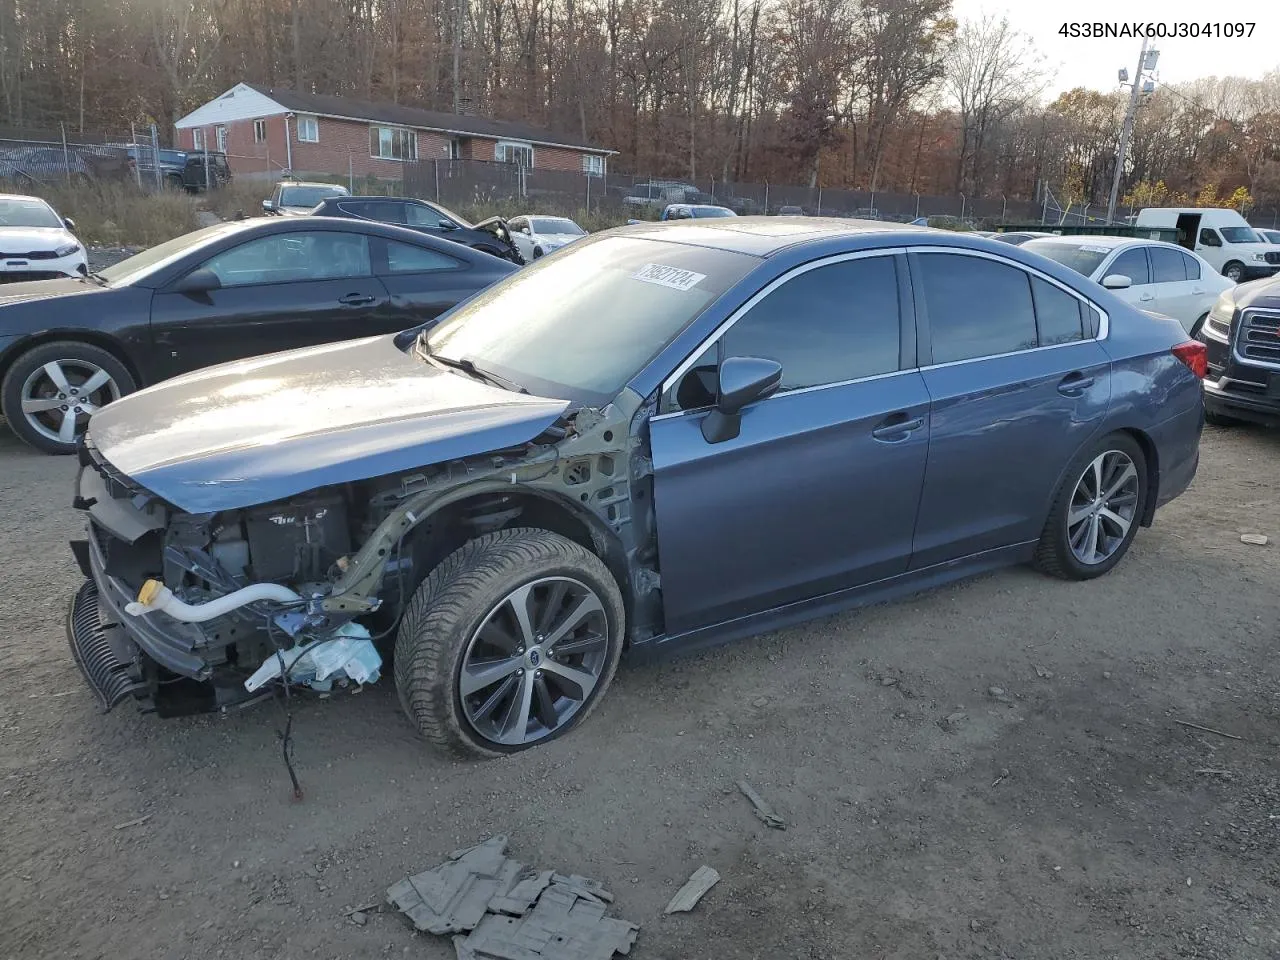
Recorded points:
(234, 599)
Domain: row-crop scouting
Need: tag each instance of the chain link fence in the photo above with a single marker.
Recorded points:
(30, 159)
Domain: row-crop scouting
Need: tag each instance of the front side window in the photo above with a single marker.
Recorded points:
(580, 325)
(293, 257)
(1131, 263)
(406, 258)
(393, 143)
(976, 307)
(308, 130)
(521, 154)
(1166, 265)
(1209, 237)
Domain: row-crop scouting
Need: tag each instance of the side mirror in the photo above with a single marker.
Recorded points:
(448, 225)
(742, 381)
(527, 231)
(268, 205)
(68, 223)
(197, 281)
(1116, 281)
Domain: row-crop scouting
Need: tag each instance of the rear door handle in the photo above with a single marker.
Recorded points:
(356, 299)
(1147, 296)
(1197, 290)
(1074, 384)
(896, 427)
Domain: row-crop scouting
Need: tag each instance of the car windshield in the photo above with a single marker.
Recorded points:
(154, 258)
(1271, 236)
(578, 327)
(1083, 258)
(308, 196)
(712, 212)
(1239, 235)
(556, 225)
(21, 212)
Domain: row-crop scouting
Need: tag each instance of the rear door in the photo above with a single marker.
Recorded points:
(1017, 385)
(293, 289)
(1176, 295)
(819, 490)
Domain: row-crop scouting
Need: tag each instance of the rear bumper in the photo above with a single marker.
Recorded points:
(1177, 443)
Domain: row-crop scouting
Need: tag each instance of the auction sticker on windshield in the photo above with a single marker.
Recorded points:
(665, 276)
(1092, 249)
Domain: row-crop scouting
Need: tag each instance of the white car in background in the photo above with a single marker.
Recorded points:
(1268, 235)
(1149, 274)
(538, 235)
(36, 243)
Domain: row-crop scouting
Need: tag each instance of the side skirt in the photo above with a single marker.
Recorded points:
(849, 598)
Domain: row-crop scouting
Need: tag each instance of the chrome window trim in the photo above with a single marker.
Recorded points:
(1104, 323)
(1235, 338)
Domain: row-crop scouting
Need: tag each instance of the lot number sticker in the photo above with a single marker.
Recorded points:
(672, 277)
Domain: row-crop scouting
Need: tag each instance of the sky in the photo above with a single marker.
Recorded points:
(1087, 62)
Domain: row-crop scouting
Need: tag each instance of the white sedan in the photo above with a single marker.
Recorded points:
(36, 243)
(1149, 274)
(536, 235)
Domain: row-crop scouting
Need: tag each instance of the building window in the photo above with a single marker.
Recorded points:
(259, 131)
(592, 165)
(308, 130)
(510, 151)
(220, 132)
(197, 139)
(393, 143)
(453, 150)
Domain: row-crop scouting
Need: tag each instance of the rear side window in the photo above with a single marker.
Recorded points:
(1191, 265)
(1058, 317)
(833, 323)
(1132, 264)
(1166, 265)
(976, 307)
(406, 258)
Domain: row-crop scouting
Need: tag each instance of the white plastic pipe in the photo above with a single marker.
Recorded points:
(162, 599)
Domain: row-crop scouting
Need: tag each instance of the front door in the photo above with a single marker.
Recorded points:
(1017, 385)
(819, 490)
(1132, 263)
(279, 292)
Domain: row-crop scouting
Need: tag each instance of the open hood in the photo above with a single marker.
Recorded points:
(258, 430)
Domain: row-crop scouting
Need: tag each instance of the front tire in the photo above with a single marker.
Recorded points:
(1097, 510)
(50, 391)
(509, 643)
(1234, 271)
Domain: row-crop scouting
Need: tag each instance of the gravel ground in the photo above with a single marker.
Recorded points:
(1062, 814)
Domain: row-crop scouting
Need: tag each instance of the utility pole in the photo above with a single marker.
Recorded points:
(1146, 63)
(457, 53)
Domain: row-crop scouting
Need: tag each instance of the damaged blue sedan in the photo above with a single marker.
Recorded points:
(659, 438)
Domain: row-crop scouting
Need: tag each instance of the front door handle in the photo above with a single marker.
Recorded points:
(1197, 290)
(896, 427)
(1074, 384)
(356, 299)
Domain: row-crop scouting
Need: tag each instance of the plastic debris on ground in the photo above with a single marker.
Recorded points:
(687, 897)
(350, 655)
(512, 912)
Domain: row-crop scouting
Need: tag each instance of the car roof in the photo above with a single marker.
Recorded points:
(23, 196)
(1111, 243)
(312, 183)
(764, 236)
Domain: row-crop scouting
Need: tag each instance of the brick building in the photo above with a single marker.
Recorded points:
(267, 131)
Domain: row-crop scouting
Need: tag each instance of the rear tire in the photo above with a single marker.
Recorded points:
(465, 604)
(1220, 420)
(1086, 535)
(32, 402)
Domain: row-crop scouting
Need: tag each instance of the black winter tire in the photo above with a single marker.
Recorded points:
(1057, 553)
(75, 355)
(453, 606)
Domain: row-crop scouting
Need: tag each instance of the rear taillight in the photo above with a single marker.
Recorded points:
(1195, 355)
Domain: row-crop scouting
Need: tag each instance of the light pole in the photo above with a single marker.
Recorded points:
(1146, 63)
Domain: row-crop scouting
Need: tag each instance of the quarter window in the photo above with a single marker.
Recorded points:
(1191, 265)
(293, 257)
(406, 258)
(976, 307)
(308, 130)
(1058, 318)
(1132, 264)
(1166, 265)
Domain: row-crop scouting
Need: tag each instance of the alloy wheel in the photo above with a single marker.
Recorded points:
(1104, 506)
(534, 661)
(58, 397)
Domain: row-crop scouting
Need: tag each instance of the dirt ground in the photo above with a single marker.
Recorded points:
(1064, 815)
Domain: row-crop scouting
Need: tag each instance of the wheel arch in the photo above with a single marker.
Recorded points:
(1149, 453)
(93, 338)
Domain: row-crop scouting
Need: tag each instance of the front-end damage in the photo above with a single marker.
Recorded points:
(180, 610)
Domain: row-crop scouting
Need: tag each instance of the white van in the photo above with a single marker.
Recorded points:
(1222, 237)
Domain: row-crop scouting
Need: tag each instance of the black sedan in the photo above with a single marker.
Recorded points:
(491, 235)
(227, 292)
